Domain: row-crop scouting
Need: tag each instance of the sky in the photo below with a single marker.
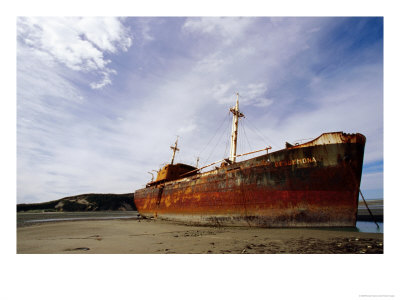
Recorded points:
(101, 100)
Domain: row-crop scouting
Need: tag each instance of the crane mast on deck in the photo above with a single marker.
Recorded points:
(174, 148)
(235, 120)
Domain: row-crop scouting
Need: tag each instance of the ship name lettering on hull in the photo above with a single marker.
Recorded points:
(298, 161)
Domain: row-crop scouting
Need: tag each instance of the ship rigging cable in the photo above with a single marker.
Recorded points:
(215, 133)
(258, 133)
(245, 135)
(226, 120)
(227, 141)
(216, 144)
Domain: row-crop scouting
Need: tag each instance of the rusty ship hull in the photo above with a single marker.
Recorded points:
(315, 184)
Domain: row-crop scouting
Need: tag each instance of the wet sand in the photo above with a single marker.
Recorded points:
(155, 236)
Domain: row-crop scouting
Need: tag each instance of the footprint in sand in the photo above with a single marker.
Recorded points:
(79, 249)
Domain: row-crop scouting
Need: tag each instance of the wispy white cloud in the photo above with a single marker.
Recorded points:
(78, 43)
(211, 63)
(105, 81)
(227, 29)
(223, 91)
(145, 29)
(255, 94)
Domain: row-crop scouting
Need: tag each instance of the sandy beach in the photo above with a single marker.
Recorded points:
(156, 236)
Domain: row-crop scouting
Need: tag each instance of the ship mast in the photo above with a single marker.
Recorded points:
(236, 115)
(174, 148)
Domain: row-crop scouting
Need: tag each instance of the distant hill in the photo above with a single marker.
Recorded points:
(84, 202)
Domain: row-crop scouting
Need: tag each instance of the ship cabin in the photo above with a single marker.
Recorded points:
(172, 172)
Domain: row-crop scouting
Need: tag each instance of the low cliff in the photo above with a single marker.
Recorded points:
(84, 202)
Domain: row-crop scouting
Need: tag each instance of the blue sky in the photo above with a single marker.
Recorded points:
(100, 100)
